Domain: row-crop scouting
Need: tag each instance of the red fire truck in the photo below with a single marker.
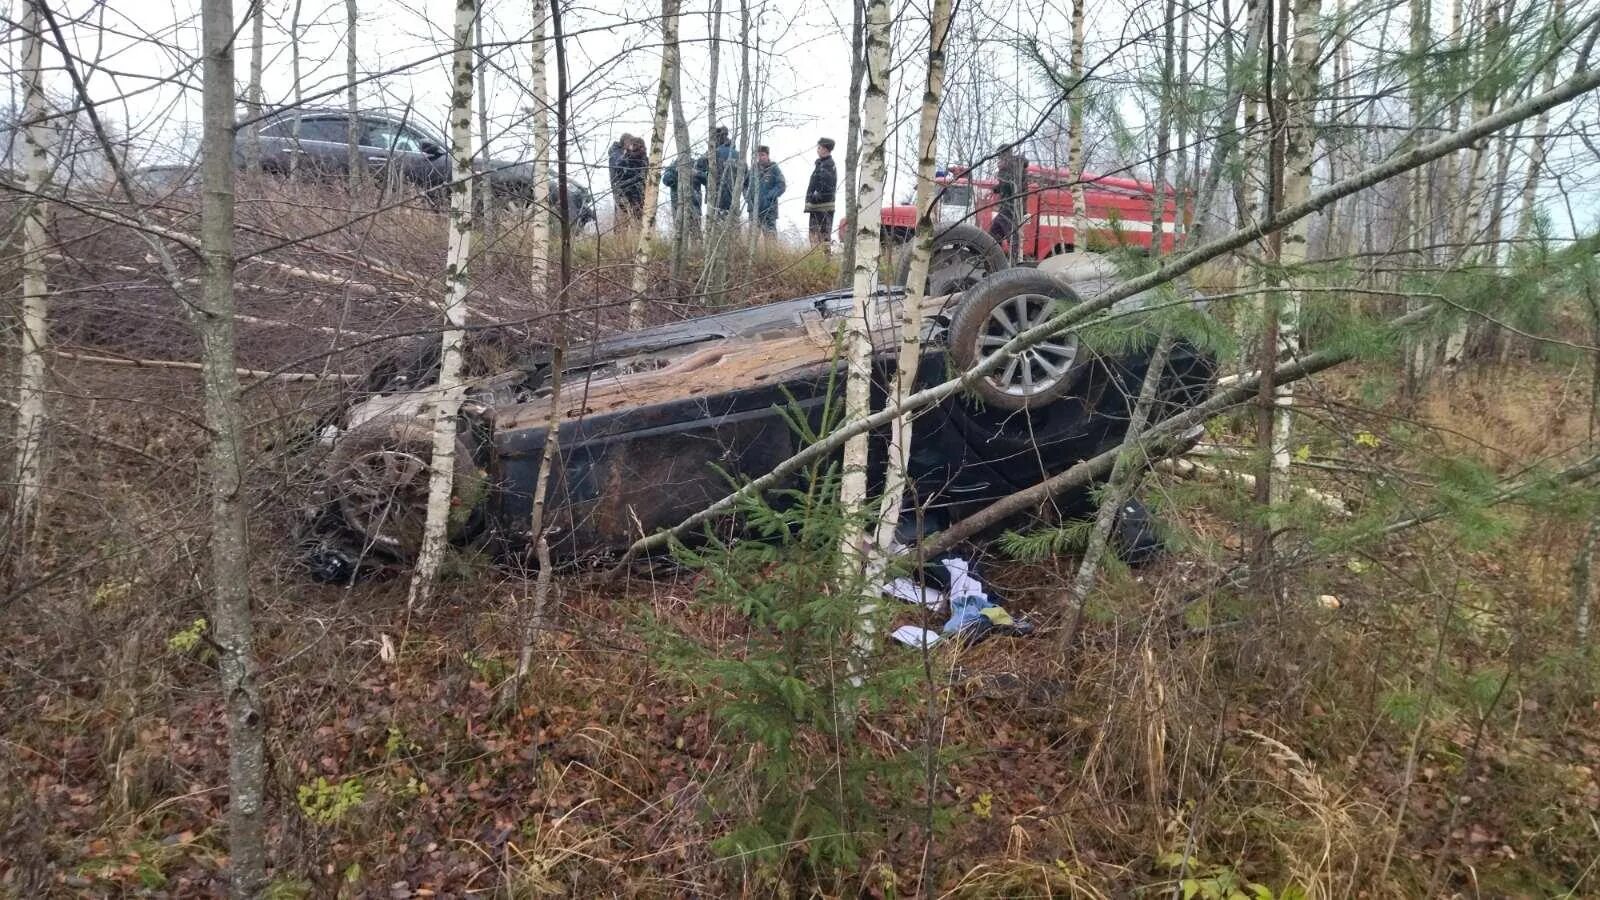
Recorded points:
(1118, 211)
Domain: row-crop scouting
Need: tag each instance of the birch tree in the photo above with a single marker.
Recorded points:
(447, 393)
(550, 457)
(232, 625)
(685, 215)
(352, 149)
(858, 334)
(27, 466)
(294, 73)
(1299, 158)
(852, 146)
(905, 374)
(539, 228)
(1080, 216)
(252, 143)
(652, 176)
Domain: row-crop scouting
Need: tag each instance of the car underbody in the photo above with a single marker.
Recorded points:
(655, 425)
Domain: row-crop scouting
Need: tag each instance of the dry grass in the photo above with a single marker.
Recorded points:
(1260, 737)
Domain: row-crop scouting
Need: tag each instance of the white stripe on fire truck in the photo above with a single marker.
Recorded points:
(1105, 224)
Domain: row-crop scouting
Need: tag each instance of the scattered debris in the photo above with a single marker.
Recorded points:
(973, 615)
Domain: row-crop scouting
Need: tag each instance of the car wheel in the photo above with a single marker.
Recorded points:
(962, 256)
(999, 308)
(378, 475)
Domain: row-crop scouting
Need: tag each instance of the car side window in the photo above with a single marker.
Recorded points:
(325, 129)
(391, 136)
(281, 128)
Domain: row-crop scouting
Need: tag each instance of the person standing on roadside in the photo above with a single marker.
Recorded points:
(1010, 191)
(629, 164)
(766, 187)
(820, 193)
(719, 196)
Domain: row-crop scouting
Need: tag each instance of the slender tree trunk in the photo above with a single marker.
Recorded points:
(852, 146)
(539, 228)
(715, 221)
(858, 336)
(252, 142)
(1299, 158)
(1125, 473)
(1582, 584)
(1230, 140)
(452, 335)
(1267, 347)
(1465, 232)
(550, 460)
(1080, 215)
(28, 464)
(1541, 128)
(353, 150)
(230, 553)
(685, 213)
(1418, 355)
(905, 374)
(483, 211)
(652, 177)
(742, 172)
(1163, 126)
(757, 111)
(299, 95)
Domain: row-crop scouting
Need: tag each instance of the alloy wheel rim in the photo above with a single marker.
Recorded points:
(1038, 368)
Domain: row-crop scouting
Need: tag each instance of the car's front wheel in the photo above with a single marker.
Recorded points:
(378, 474)
(999, 308)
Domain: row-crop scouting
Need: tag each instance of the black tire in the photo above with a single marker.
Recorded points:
(963, 255)
(1003, 304)
(390, 516)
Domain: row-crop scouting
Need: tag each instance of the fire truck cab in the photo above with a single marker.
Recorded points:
(1117, 211)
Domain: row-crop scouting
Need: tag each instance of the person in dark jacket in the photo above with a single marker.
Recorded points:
(820, 193)
(727, 174)
(766, 186)
(691, 192)
(629, 163)
(1010, 191)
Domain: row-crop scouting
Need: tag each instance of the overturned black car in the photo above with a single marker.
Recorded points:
(653, 423)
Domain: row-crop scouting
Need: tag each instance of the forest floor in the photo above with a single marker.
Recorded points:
(1410, 717)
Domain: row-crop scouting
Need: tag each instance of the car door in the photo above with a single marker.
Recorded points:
(399, 153)
(324, 144)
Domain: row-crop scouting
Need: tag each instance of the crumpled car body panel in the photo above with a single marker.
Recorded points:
(657, 424)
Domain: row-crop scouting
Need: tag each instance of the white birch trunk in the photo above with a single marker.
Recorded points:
(539, 228)
(852, 148)
(1420, 348)
(451, 336)
(905, 374)
(1299, 157)
(858, 336)
(1080, 216)
(27, 465)
(230, 558)
(652, 175)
